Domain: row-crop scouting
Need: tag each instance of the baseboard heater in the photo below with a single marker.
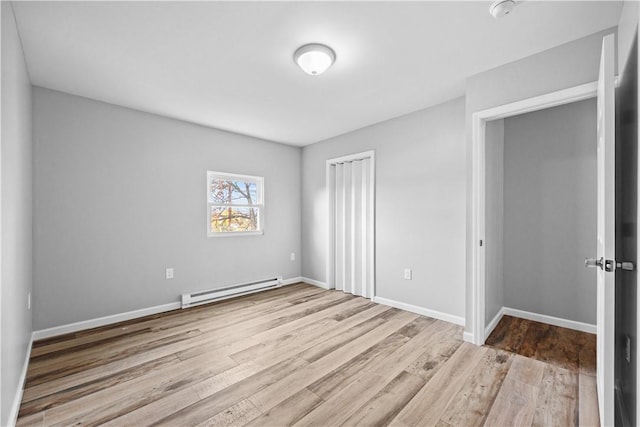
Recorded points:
(204, 297)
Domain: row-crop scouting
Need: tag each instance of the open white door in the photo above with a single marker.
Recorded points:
(606, 233)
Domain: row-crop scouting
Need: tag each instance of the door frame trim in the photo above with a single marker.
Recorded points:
(330, 266)
(479, 120)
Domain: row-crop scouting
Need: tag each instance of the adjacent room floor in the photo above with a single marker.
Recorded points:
(561, 347)
(570, 355)
(295, 355)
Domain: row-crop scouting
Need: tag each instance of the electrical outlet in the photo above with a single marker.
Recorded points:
(407, 274)
(29, 301)
(169, 273)
(292, 256)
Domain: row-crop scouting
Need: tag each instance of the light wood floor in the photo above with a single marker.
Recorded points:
(295, 355)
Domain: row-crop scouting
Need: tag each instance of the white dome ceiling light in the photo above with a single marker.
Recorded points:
(314, 58)
(501, 8)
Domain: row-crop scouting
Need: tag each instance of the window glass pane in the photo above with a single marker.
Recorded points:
(233, 192)
(230, 219)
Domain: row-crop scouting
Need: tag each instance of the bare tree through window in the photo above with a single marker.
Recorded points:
(234, 203)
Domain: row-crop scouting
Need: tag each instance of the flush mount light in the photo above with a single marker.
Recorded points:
(501, 8)
(314, 58)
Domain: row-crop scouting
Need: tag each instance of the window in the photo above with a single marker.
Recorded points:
(234, 204)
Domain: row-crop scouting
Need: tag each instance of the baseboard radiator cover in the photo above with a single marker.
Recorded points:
(204, 297)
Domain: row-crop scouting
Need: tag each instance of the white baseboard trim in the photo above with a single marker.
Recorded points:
(17, 400)
(420, 310)
(292, 281)
(103, 321)
(121, 317)
(556, 321)
(467, 337)
(492, 325)
(315, 283)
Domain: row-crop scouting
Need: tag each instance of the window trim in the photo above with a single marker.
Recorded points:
(259, 180)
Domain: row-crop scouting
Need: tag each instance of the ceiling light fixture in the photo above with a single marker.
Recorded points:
(314, 58)
(500, 8)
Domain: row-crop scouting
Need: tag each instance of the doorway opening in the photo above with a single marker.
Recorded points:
(480, 121)
(605, 260)
(544, 228)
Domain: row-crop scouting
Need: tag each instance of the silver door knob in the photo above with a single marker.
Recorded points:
(592, 262)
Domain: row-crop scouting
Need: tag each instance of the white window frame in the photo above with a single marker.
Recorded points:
(259, 203)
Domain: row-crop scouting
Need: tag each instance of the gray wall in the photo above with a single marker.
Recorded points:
(550, 211)
(494, 219)
(420, 205)
(565, 66)
(16, 210)
(120, 196)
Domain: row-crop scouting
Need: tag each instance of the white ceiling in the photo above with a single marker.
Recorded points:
(229, 65)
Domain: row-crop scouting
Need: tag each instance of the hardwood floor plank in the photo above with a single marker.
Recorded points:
(309, 328)
(324, 347)
(343, 401)
(109, 403)
(157, 410)
(587, 354)
(509, 334)
(514, 405)
(517, 399)
(44, 373)
(237, 415)
(229, 332)
(344, 373)
(223, 391)
(32, 420)
(116, 336)
(349, 371)
(288, 411)
(364, 321)
(430, 403)
(526, 370)
(558, 398)
(219, 401)
(588, 414)
(554, 345)
(77, 379)
(435, 356)
(292, 345)
(471, 405)
(386, 404)
(58, 398)
(274, 394)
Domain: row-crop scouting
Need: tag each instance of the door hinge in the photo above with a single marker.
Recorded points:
(480, 242)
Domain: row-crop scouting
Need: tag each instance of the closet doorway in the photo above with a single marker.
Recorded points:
(351, 201)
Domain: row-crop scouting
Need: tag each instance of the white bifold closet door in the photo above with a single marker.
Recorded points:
(352, 220)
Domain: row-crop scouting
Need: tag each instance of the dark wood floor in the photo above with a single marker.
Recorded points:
(296, 355)
(562, 347)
